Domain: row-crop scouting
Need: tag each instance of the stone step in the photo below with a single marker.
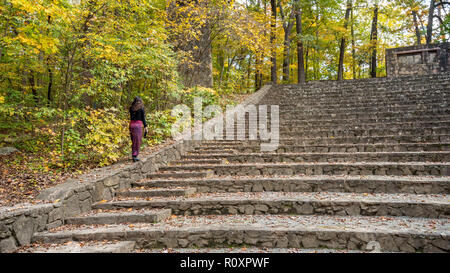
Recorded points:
(313, 103)
(217, 149)
(120, 217)
(357, 118)
(78, 247)
(288, 128)
(302, 203)
(440, 86)
(360, 115)
(167, 192)
(370, 132)
(384, 147)
(368, 126)
(360, 93)
(383, 83)
(351, 122)
(403, 87)
(355, 92)
(257, 250)
(328, 133)
(199, 161)
(321, 168)
(355, 98)
(185, 174)
(352, 92)
(311, 110)
(317, 183)
(319, 157)
(386, 139)
(337, 232)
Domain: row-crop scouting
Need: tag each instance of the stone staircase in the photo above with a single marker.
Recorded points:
(362, 165)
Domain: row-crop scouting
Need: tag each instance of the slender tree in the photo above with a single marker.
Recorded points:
(273, 26)
(430, 22)
(353, 44)
(340, 76)
(288, 24)
(416, 27)
(300, 59)
(374, 42)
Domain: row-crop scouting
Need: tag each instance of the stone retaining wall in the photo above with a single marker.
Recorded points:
(418, 60)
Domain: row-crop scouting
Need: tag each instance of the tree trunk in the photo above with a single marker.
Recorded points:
(416, 26)
(287, 53)
(33, 87)
(374, 41)
(287, 27)
(300, 60)
(272, 41)
(306, 63)
(340, 76)
(430, 22)
(50, 84)
(257, 73)
(353, 45)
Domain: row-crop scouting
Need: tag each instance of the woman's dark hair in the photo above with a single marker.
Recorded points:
(137, 104)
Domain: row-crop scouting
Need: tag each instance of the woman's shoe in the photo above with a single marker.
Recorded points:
(135, 159)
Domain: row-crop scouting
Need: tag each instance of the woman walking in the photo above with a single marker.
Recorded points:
(137, 125)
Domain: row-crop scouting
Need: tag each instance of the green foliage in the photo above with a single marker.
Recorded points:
(209, 96)
(160, 125)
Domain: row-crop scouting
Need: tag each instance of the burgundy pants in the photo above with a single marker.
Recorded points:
(136, 136)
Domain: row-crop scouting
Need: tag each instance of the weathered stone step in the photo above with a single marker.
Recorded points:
(302, 203)
(289, 128)
(318, 183)
(251, 250)
(322, 168)
(402, 82)
(369, 132)
(321, 157)
(185, 174)
(217, 149)
(356, 103)
(369, 109)
(350, 122)
(141, 193)
(388, 139)
(439, 87)
(360, 115)
(368, 126)
(198, 161)
(393, 139)
(87, 247)
(333, 97)
(120, 217)
(337, 232)
(321, 101)
(384, 147)
(355, 92)
(340, 132)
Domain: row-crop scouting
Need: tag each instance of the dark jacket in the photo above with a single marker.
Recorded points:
(138, 115)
